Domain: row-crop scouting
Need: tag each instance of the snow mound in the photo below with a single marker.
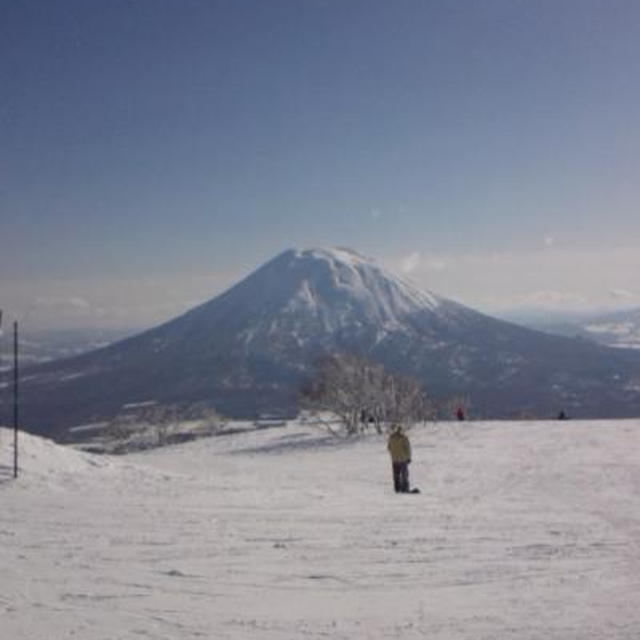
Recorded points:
(42, 458)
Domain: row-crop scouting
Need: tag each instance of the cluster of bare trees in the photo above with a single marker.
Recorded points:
(149, 424)
(363, 394)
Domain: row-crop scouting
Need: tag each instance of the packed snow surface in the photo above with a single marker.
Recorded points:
(522, 530)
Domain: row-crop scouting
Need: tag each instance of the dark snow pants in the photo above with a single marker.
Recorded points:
(401, 477)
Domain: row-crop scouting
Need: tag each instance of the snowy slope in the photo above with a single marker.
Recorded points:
(523, 531)
(620, 329)
(342, 275)
(43, 462)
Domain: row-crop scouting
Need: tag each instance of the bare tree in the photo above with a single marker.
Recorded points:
(335, 390)
(121, 426)
(148, 424)
(405, 401)
(208, 420)
(361, 393)
(162, 420)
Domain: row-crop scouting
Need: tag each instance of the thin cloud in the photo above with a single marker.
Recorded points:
(411, 262)
(52, 302)
(624, 294)
(554, 298)
(435, 264)
(551, 277)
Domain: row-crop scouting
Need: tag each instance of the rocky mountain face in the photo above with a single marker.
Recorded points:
(250, 349)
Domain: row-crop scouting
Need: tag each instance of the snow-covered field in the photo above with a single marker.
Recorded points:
(522, 530)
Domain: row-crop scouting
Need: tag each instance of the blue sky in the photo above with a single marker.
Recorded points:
(154, 151)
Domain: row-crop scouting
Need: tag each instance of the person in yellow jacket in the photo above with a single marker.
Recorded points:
(400, 451)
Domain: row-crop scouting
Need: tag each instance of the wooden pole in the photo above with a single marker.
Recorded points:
(15, 399)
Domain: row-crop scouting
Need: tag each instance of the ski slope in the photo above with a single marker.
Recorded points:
(523, 530)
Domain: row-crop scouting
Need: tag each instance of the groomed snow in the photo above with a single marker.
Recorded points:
(522, 530)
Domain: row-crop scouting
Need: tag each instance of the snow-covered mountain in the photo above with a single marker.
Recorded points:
(249, 350)
(619, 329)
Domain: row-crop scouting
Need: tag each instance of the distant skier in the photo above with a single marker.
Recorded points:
(460, 413)
(400, 450)
(563, 416)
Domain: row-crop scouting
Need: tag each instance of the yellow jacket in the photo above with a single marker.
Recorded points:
(399, 447)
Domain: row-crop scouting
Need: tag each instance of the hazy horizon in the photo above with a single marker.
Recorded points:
(155, 153)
